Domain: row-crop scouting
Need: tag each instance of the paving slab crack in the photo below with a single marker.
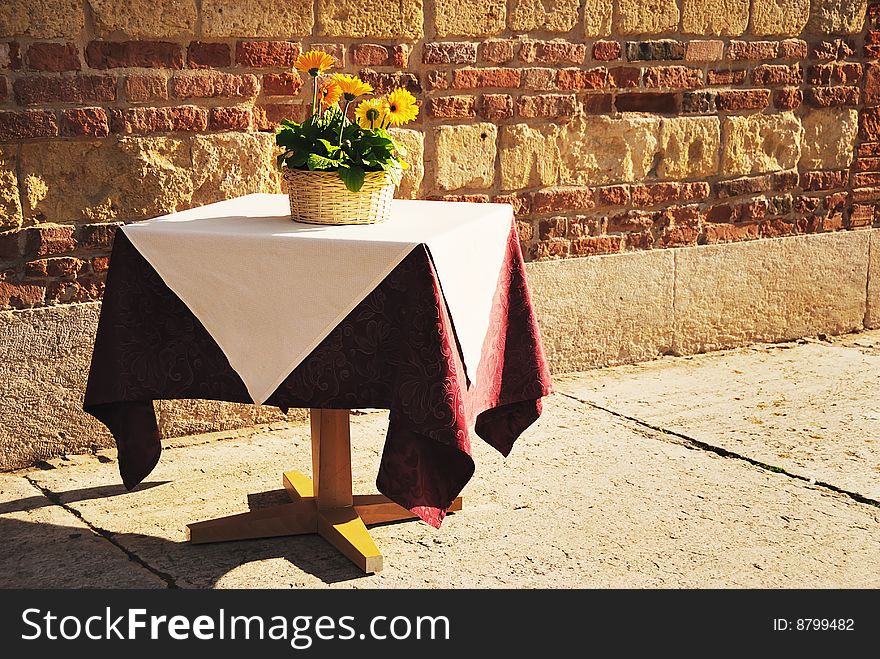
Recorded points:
(665, 434)
(103, 533)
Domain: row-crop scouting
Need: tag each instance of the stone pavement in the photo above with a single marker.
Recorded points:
(757, 467)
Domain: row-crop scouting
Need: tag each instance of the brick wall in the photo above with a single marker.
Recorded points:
(609, 125)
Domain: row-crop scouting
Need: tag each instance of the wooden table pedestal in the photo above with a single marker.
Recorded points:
(323, 504)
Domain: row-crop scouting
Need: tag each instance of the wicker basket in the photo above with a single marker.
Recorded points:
(322, 198)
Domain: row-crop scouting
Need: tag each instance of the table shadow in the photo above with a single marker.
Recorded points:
(71, 496)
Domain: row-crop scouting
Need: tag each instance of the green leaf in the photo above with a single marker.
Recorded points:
(353, 177)
(315, 161)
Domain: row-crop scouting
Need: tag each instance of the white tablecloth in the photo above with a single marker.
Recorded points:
(269, 290)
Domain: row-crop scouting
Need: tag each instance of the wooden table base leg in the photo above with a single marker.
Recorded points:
(324, 505)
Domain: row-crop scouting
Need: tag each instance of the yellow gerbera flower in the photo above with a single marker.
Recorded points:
(370, 113)
(329, 93)
(352, 86)
(314, 62)
(401, 107)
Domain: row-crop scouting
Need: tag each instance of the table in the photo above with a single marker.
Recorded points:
(428, 316)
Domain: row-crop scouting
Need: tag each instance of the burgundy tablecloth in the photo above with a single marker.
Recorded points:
(395, 350)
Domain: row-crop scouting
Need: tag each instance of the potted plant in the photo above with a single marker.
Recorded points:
(339, 170)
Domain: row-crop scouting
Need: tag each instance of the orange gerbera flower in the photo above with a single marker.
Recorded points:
(329, 93)
(314, 62)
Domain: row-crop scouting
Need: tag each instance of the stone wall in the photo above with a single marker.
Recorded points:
(610, 125)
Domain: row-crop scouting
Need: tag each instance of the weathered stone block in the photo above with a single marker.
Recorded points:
(628, 319)
(689, 147)
(779, 17)
(760, 143)
(721, 17)
(597, 18)
(41, 19)
(257, 18)
(465, 156)
(144, 18)
(544, 15)
(598, 149)
(872, 317)
(529, 156)
(640, 17)
(477, 18)
(384, 19)
(797, 286)
(829, 136)
(837, 16)
(414, 142)
(229, 165)
(10, 206)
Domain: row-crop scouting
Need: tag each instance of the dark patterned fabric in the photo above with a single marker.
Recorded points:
(396, 350)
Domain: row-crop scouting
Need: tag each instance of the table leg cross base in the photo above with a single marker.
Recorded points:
(345, 527)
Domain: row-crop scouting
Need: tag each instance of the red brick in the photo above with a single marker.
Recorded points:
(80, 290)
(781, 181)
(867, 165)
(267, 54)
(836, 201)
(869, 149)
(450, 52)
(53, 57)
(270, 116)
(825, 97)
(861, 215)
(833, 222)
(788, 98)
(520, 203)
(648, 102)
(96, 236)
(555, 227)
(625, 77)
(4, 90)
(613, 195)
(555, 52)
(631, 220)
(230, 119)
(27, 124)
(62, 266)
(539, 79)
(606, 51)
(100, 263)
(866, 179)
(496, 107)
(595, 245)
(679, 236)
(837, 73)
(581, 226)
(568, 79)
(498, 51)
(728, 233)
(485, 78)
(48, 240)
(17, 295)
(452, 107)
(752, 50)
(677, 77)
(469, 198)
(658, 49)
(726, 77)
(91, 122)
(733, 100)
(437, 80)
(835, 49)
(224, 85)
(775, 228)
(146, 54)
(384, 81)
(664, 193)
(207, 55)
(825, 180)
(870, 123)
(704, 50)
(10, 56)
(525, 231)
(38, 90)
(337, 50)
(681, 216)
(698, 102)
(741, 186)
(547, 106)
(777, 74)
(143, 121)
(368, 54)
(146, 88)
(547, 249)
(10, 245)
(872, 84)
(793, 49)
(552, 200)
(596, 103)
(281, 84)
